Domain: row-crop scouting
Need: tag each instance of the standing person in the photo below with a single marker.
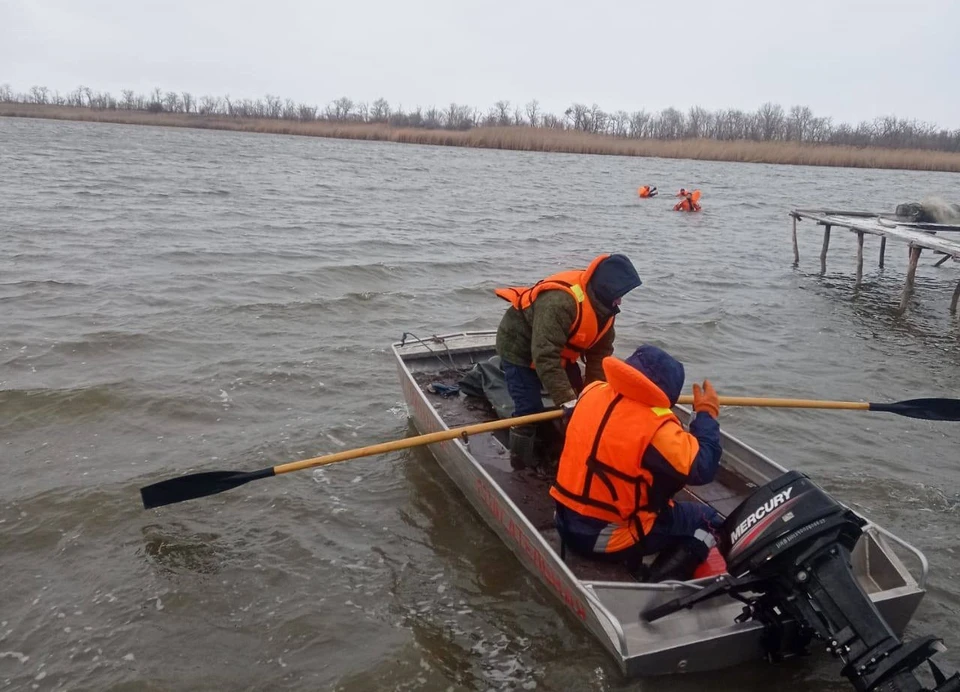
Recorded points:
(548, 328)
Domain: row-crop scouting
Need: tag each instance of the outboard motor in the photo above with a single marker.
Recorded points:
(788, 549)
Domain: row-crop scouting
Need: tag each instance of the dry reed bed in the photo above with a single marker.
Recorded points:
(528, 139)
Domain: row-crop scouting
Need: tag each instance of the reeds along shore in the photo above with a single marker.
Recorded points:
(525, 138)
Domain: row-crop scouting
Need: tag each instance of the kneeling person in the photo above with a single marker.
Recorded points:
(626, 454)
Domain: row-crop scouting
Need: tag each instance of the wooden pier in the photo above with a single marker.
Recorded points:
(917, 236)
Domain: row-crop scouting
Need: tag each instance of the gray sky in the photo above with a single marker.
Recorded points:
(849, 59)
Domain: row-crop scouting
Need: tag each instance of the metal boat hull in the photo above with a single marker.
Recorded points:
(701, 639)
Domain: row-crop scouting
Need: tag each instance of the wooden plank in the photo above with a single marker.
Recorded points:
(917, 238)
(859, 258)
(911, 277)
(796, 248)
(823, 250)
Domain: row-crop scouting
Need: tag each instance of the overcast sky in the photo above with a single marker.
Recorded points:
(849, 59)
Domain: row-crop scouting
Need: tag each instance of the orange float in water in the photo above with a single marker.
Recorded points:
(689, 202)
(713, 566)
(647, 191)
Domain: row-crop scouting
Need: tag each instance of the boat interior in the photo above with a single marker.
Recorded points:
(740, 473)
(530, 489)
(439, 366)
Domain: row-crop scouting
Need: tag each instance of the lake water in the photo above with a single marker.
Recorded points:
(178, 300)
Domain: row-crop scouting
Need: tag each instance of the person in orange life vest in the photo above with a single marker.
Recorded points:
(625, 456)
(689, 202)
(647, 191)
(548, 328)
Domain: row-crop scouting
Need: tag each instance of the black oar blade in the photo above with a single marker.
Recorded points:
(196, 485)
(927, 409)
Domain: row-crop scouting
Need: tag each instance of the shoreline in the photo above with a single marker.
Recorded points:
(524, 138)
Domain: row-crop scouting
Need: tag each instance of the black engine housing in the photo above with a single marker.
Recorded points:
(787, 548)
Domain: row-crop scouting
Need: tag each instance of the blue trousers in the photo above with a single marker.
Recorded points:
(524, 387)
(681, 520)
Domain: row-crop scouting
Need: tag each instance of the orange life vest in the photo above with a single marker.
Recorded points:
(644, 191)
(586, 329)
(689, 202)
(601, 474)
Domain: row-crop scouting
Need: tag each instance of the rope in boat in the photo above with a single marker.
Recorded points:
(436, 339)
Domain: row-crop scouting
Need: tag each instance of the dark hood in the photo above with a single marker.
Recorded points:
(613, 278)
(661, 368)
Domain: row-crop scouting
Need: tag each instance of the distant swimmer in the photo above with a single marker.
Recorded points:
(647, 191)
(689, 202)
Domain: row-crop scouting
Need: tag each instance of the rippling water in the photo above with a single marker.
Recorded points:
(175, 300)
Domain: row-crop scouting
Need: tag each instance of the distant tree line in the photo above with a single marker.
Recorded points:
(769, 123)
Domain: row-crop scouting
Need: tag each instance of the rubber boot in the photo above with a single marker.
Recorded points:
(523, 440)
(679, 561)
(549, 446)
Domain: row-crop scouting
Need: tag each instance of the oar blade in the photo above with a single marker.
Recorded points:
(196, 485)
(926, 409)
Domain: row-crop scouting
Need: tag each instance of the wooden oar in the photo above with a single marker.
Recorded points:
(196, 485)
(927, 409)
(212, 482)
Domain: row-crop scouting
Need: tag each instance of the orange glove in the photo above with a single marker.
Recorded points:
(706, 399)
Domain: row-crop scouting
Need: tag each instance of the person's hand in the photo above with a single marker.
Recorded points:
(567, 408)
(706, 400)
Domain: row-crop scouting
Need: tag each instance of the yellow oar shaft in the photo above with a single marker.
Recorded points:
(783, 403)
(468, 430)
(417, 441)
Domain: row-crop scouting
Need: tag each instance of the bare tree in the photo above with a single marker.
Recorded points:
(620, 124)
(502, 109)
(671, 124)
(798, 124)
(171, 102)
(431, 119)
(639, 124)
(579, 116)
(208, 105)
(698, 122)
(458, 117)
(598, 119)
(38, 94)
(820, 129)
(273, 106)
(770, 121)
(340, 109)
(380, 111)
(6, 93)
(551, 122)
(362, 112)
(533, 113)
(306, 113)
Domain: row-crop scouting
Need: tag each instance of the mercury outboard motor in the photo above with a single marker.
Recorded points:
(788, 549)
